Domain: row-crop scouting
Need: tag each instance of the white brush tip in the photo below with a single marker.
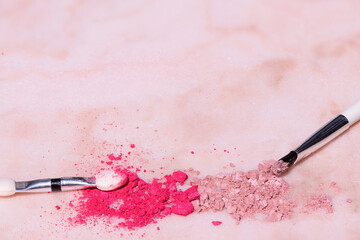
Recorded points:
(110, 180)
(7, 187)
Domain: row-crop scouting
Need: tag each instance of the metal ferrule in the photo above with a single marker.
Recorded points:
(55, 184)
(77, 183)
(321, 137)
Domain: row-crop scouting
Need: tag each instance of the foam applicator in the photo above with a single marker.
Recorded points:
(104, 181)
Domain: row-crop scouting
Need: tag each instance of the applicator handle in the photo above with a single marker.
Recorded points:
(55, 184)
(353, 113)
(325, 134)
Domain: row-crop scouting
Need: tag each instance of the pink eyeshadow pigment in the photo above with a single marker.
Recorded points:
(135, 205)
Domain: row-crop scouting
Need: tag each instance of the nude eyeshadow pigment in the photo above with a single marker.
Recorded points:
(246, 194)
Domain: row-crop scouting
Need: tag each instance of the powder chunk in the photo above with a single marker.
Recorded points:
(273, 167)
(180, 176)
(183, 208)
(349, 200)
(192, 193)
(216, 223)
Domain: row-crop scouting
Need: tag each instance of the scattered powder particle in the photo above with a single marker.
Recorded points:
(112, 157)
(132, 145)
(232, 165)
(192, 152)
(137, 204)
(245, 194)
(317, 202)
(216, 223)
(57, 207)
(179, 176)
(335, 187)
(349, 200)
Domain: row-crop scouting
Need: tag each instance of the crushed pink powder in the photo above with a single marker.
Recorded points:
(349, 200)
(317, 202)
(246, 194)
(135, 205)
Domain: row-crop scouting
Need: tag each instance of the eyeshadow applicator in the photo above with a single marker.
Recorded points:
(324, 135)
(104, 181)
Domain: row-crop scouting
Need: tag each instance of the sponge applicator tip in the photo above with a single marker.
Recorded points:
(110, 180)
(7, 187)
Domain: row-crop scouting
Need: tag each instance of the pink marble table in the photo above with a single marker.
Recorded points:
(255, 78)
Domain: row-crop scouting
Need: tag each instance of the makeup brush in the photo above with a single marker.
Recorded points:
(324, 135)
(104, 181)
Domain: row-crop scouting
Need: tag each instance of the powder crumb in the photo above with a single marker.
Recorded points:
(180, 176)
(320, 201)
(334, 186)
(132, 145)
(232, 165)
(112, 157)
(183, 208)
(57, 207)
(273, 167)
(192, 193)
(216, 223)
(349, 200)
(192, 172)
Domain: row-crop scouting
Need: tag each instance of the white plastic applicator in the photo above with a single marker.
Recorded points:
(104, 181)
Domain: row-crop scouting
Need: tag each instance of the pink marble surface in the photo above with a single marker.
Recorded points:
(174, 77)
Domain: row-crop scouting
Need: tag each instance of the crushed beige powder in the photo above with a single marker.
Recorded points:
(247, 194)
